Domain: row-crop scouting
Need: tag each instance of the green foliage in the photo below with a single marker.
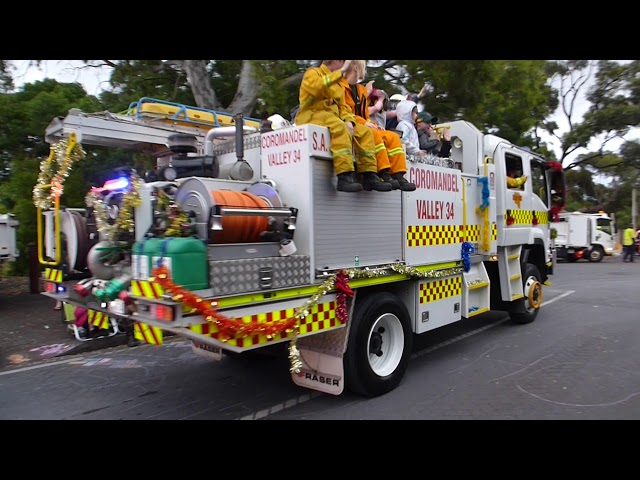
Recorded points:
(17, 193)
(510, 98)
(279, 89)
(132, 80)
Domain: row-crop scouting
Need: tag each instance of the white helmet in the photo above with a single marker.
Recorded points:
(278, 121)
(396, 97)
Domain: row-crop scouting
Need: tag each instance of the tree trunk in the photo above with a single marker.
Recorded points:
(200, 81)
(247, 93)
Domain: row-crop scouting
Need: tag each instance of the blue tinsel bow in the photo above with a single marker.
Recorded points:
(485, 192)
(467, 249)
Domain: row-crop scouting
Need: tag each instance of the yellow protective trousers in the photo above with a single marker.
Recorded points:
(342, 148)
(389, 151)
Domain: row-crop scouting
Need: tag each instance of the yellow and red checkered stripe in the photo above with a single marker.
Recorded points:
(444, 288)
(322, 317)
(423, 235)
(426, 235)
(53, 275)
(144, 288)
(473, 232)
(525, 217)
(98, 319)
(147, 333)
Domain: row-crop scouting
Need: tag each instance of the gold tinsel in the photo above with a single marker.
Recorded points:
(54, 170)
(125, 221)
(403, 270)
(328, 285)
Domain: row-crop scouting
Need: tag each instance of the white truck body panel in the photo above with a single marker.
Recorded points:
(8, 225)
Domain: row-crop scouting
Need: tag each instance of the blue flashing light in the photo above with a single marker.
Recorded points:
(116, 184)
(61, 289)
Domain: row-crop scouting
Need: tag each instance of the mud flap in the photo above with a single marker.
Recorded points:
(322, 359)
(206, 351)
(328, 374)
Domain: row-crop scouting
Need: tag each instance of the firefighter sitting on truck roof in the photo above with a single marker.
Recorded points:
(322, 103)
(390, 157)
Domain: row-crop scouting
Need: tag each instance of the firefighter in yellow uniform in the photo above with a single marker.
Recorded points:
(322, 102)
(390, 157)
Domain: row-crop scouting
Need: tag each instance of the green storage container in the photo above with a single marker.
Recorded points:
(186, 259)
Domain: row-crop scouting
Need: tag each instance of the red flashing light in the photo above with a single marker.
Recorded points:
(125, 297)
(82, 290)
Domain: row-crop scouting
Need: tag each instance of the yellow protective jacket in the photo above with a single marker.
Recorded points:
(321, 91)
(322, 102)
(629, 237)
(388, 146)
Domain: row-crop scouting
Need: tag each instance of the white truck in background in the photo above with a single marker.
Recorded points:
(8, 225)
(584, 235)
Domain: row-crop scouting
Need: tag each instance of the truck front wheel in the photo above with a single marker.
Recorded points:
(379, 346)
(596, 254)
(528, 307)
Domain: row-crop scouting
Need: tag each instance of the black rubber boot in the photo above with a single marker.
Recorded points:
(346, 183)
(384, 175)
(405, 185)
(371, 181)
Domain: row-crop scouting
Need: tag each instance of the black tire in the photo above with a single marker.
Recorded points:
(380, 322)
(571, 257)
(596, 254)
(524, 312)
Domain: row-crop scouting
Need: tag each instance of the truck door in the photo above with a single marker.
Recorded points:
(604, 234)
(515, 205)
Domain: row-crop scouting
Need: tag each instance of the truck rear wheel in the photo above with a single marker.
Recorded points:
(379, 346)
(596, 254)
(529, 306)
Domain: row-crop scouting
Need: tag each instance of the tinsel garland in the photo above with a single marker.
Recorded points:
(54, 170)
(411, 272)
(229, 328)
(467, 249)
(483, 210)
(124, 221)
(178, 221)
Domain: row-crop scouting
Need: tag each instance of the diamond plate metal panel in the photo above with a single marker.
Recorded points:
(243, 276)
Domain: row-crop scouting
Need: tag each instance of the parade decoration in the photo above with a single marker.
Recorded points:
(124, 221)
(174, 219)
(483, 210)
(233, 328)
(54, 170)
(467, 250)
(556, 196)
(229, 328)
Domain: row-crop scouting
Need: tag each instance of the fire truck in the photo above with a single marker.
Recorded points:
(239, 241)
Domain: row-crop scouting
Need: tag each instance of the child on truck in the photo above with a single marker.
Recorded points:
(322, 102)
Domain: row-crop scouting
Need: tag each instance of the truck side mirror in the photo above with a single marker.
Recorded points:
(558, 188)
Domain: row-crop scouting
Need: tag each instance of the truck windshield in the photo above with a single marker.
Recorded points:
(604, 225)
(538, 182)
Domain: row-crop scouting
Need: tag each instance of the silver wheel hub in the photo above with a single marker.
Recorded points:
(385, 344)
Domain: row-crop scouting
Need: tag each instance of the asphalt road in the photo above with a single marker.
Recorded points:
(578, 360)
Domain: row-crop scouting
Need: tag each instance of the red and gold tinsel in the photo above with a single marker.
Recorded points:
(231, 327)
(344, 291)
